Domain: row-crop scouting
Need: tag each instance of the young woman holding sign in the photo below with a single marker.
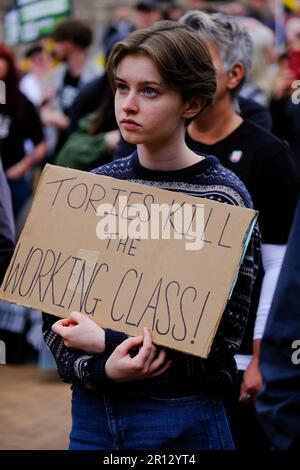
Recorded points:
(162, 77)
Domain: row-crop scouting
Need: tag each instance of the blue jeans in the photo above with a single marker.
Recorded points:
(106, 422)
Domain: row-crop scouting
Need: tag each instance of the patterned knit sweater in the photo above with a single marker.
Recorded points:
(207, 179)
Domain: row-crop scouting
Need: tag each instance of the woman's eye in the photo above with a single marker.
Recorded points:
(148, 91)
(121, 87)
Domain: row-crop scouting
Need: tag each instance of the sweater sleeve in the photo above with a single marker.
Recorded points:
(78, 367)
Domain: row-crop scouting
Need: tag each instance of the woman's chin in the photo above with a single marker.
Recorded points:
(131, 138)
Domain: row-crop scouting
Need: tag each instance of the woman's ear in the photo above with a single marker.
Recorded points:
(193, 107)
(235, 76)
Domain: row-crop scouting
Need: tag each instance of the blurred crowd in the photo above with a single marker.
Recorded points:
(58, 109)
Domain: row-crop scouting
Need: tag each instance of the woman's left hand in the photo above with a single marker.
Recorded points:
(79, 332)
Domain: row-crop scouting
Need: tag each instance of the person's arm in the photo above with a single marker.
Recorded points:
(272, 258)
(54, 117)
(32, 130)
(77, 366)
(18, 170)
(97, 366)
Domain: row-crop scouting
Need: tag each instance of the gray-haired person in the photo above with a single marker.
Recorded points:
(263, 163)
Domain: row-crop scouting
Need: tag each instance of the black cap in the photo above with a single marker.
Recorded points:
(146, 5)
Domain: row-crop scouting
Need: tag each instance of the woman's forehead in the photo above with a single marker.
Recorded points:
(138, 67)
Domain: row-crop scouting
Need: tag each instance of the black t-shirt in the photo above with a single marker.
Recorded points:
(254, 111)
(17, 127)
(66, 97)
(265, 166)
(68, 92)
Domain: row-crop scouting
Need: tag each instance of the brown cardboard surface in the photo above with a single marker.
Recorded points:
(60, 264)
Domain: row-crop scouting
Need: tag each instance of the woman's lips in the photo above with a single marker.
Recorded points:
(128, 124)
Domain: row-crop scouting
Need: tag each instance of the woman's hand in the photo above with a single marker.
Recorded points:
(121, 367)
(79, 332)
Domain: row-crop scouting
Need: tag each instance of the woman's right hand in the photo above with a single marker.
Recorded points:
(121, 367)
(80, 332)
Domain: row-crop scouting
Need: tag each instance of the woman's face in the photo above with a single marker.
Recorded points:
(3, 68)
(148, 112)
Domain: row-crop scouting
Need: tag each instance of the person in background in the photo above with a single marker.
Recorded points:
(293, 46)
(264, 69)
(147, 12)
(72, 40)
(34, 84)
(264, 164)
(7, 228)
(173, 11)
(278, 403)
(118, 28)
(19, 122)
(161, 76)
(96, 94)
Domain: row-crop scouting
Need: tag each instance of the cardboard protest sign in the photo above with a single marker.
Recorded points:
(65, 261)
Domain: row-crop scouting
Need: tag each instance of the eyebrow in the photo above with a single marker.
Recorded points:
(146, 82)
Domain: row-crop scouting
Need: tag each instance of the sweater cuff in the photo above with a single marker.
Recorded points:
(97, 375)
(113, 339)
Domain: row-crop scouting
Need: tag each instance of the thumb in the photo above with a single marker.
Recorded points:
(130, 343)
(58, 328)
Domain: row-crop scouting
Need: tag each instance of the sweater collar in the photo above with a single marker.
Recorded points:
(175, 175)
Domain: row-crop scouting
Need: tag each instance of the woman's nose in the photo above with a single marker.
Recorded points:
(130, 103)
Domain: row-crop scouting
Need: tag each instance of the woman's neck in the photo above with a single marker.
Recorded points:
(214, 124)
(168, 157)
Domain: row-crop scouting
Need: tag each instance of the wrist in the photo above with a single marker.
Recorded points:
(99, 344)
(107, 371)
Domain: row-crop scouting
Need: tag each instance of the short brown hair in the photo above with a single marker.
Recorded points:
(74, 31)
(181, 57)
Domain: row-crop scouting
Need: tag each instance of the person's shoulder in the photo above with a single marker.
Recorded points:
(256, 112)
(97, 84)
(262, 138)
(90, 71)
(223, 185)
(28, 79)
